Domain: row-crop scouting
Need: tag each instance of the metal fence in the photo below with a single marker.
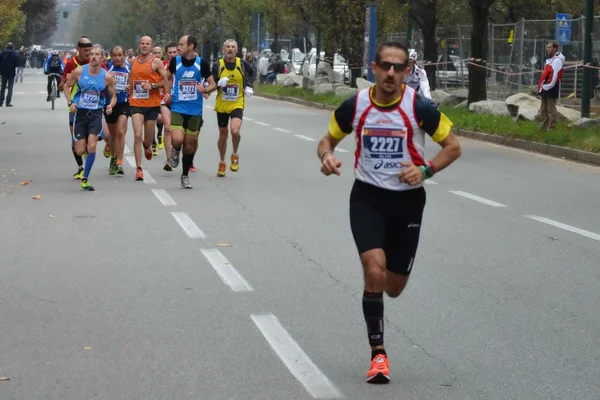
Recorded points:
(516, 54)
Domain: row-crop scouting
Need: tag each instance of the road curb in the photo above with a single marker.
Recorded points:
(543, 148)
(548, 149)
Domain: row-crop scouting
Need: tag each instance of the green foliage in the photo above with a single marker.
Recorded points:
(11, 18)
(39, 22)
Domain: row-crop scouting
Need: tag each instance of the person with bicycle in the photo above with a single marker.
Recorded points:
(54, 68)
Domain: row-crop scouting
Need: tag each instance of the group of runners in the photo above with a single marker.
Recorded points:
(103, 93)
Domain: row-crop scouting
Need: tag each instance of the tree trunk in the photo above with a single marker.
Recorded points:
(423, 13)
(430, 54)
(480, 10)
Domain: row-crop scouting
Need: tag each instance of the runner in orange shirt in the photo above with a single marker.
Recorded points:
(145, 80)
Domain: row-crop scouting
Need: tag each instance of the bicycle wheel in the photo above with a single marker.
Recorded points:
(53, 95)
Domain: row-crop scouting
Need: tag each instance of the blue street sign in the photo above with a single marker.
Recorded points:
(563, 28)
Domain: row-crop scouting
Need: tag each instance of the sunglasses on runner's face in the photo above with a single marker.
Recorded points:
(386, 65)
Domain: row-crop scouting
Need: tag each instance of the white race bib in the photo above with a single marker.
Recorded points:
(139, 92)
(120, 81)
(383, 148)
(89, 100)
(231, 92)
(187, 90)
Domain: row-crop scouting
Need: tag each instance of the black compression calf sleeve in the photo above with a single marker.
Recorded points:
(78, 159)
(160, 129)
(187, 161)
(373, 310)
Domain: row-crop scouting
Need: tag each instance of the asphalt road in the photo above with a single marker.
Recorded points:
(249, 287)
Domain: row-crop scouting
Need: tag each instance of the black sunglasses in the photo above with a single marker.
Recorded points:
(386, 65)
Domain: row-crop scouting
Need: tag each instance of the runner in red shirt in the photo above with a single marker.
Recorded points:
(164, 119)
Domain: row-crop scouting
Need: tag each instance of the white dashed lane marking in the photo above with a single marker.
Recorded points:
(477, 198)
(189, 227)
(294, 358)
(228, 274)
(164, 197)
(306, 138)
(566, 227)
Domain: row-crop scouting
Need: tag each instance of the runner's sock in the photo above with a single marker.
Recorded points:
(160, 129)
(373, 311)
(78, 159)
(89, 162)
(187, 161)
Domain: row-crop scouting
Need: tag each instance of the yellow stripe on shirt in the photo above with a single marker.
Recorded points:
(443, 129)
(334, 128)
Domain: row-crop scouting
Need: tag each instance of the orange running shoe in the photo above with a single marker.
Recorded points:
(222, 169)
(148, 153)
(139, 175)
(380, 370)
(235, 163)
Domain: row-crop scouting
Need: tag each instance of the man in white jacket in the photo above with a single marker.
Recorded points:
(416, 78)
(262, 69)
(549, 85)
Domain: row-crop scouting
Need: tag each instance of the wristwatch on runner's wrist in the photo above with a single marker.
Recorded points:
(153, 86)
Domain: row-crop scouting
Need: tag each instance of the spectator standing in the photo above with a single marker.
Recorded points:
(21, 66)
(549, 85)
(9, 59)
(263, 68)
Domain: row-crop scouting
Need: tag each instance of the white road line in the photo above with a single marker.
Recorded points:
(164, 197)
(306, 138)
(148, 178)
(566, 227)
(303, 369)
(42, 92)
(131, 160)
(428, 182)
(282, 130)
(229, 275)
(477, 198)
(341, 150)
(186, 223)
(261, 123)
(18, 92)
(248, 119)
(127, 149)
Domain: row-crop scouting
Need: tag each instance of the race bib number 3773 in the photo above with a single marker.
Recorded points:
(89, 100)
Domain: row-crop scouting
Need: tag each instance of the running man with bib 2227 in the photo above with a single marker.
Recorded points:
(390, 121)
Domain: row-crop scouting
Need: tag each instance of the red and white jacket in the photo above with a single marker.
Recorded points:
(549, 83)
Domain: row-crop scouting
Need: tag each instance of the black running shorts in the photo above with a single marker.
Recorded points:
(149, 113)
(388, 220)
(223, 118)
(120, 109)
(88, 122)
